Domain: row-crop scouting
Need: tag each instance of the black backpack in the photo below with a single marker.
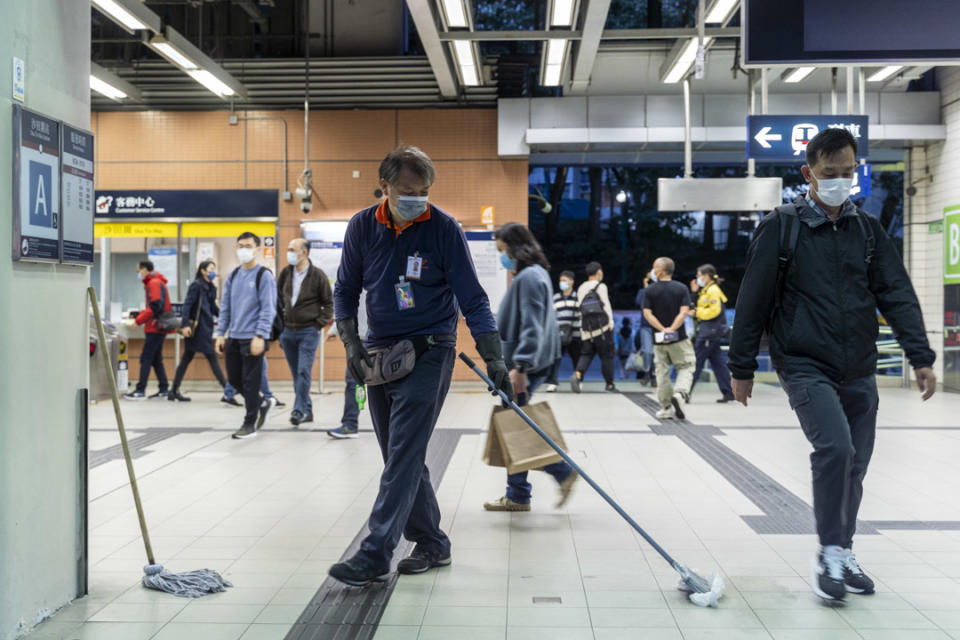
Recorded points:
(166, 321)
(593, 316)
(277, 327)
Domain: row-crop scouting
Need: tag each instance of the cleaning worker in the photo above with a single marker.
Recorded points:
(530, 333)
(413, 261)
(815, 288)
(711, 329)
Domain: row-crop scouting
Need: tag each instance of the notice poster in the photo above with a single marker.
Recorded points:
(78, 196)
(36, 187)
(486, 259)
(326, 245)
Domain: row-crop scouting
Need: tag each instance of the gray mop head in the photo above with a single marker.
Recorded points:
(703, 592)
(192, 584)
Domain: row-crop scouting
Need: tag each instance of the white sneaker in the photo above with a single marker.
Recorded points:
(666, 414)
(550, 388)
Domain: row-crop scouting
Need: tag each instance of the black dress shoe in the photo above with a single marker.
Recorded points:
(725, 399)
(422, 560)
(357, 575)
(307, 417)
(296, 417)
(176, 395)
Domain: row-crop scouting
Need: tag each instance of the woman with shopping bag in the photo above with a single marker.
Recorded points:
(528, 329)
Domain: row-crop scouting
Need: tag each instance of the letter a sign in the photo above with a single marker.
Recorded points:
(951, 249)
(40, 202)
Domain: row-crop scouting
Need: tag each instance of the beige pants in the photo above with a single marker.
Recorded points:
(680, 355)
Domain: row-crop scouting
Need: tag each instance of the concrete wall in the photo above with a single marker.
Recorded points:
(43, 341)
(924, 250)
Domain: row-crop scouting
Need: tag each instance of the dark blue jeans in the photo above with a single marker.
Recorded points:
(152, 356)
(300, 348)
(351, 410)
(710, 350)
(840, 421)
(518, 489)
(404, 415)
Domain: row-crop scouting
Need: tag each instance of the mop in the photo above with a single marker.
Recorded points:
(191, 584)
(703, 592)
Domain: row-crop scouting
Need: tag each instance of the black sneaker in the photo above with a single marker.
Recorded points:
(356, 575)
(422, 560)
(296, 417)
(725, 399)
(266, 406)
(135, 395)
(177, 396)
(278, 403)
(677, 410)
(246, 431)
(230, 402)
(575, 383)
(855, 580)
(307, 417)
(828, 577)
(612, 388)
(158, 394)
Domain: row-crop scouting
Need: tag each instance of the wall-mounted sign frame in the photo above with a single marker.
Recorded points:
(36, 187)
(77, 196)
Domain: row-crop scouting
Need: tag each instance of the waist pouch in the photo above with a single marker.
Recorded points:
(396, 361)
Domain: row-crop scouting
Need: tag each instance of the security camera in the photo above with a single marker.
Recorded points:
(911, 191)
(306, 206)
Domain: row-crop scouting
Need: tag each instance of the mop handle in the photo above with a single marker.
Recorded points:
(569, 460)
(115, 394)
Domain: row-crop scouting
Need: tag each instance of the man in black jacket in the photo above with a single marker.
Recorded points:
(821, 315)
(307, 307)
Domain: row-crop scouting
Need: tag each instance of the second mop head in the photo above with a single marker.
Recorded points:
(703, 592)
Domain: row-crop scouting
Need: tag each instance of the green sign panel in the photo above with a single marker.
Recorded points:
(935, 227)
(951, 246)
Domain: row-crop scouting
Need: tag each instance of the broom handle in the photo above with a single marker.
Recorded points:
(569, 460)
(115, 393)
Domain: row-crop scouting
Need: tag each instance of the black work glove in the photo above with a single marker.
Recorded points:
(357, 356)
(491, 350)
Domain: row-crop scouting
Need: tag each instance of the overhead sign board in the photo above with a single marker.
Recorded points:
(36, 187)
(77, 196)
(719, 194)
(193, 203)
(785, 138)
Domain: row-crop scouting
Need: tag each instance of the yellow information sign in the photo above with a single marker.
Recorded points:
(135, 230)
(227, 229)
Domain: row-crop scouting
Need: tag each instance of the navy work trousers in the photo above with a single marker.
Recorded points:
(840, 421)
(404, 414)
(709, 349)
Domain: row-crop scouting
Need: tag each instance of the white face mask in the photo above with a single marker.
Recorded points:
(834, 191)
(701, 281)
(245, 254)
(292, 257)
(653, 276)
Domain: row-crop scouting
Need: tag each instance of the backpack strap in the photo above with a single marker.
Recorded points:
(789, 235)
(260, 276)
(868, 235)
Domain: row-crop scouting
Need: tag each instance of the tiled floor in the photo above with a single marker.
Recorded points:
(274, 512)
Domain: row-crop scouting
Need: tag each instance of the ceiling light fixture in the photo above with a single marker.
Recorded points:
(131, 15)
(211, 82)
(553, 58)
(884, 73)
(105, 89)
(466, 57)
(721, 11)
(562, 13)
(681, 59)
(112, 86)
(797, 75)
(172, 54)
(455, 14)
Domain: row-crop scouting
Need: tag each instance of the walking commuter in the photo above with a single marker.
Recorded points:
(711, 329)
(818, 269)
(229, 392)
(643, 339)
(307, 308)
(247, 311)
(530, 333)
(596, 322)
(414, 263)
(568, 317)
(624, 344)
(665, 306)
(157, 302)
(199, 310)
(350, 419)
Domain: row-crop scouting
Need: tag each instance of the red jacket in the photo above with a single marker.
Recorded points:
(155, 287)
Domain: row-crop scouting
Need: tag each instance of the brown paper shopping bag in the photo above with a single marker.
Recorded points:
(511, 443)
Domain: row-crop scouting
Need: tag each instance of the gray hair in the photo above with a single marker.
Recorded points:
(301, 244)
(410, 157)
(665, 264)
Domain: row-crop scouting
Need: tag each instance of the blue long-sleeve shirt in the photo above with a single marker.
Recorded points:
(245, 311)
(375, 256)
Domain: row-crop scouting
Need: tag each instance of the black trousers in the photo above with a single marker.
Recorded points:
(840, 421)
(244, 372)
(573, 349)
(188, 358)
(601, 346)
(152, 356)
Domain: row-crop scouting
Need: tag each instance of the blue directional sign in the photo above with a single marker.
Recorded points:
(785, 138)
(861, 182)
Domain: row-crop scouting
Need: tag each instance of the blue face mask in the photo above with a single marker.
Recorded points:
(411, 207)
(508, 263)
(211, 274)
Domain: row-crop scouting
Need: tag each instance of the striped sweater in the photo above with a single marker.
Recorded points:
(568, 311)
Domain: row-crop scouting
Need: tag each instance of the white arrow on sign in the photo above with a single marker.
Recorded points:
(764, 137)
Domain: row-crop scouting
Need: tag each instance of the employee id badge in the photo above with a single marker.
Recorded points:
(404, 292)
(414, 266)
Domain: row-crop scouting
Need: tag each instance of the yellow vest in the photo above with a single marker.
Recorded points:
(710, 302)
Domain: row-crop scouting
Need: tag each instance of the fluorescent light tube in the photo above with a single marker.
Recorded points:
(798, 74)
(556, 48)
(174, 55)
(685, 60)
(105, 89)
(463, 52)
(720, 11)
(211, 82)
(562, 14)
(118, 13)
(456, 16)
(884, 73)
(551, 75)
